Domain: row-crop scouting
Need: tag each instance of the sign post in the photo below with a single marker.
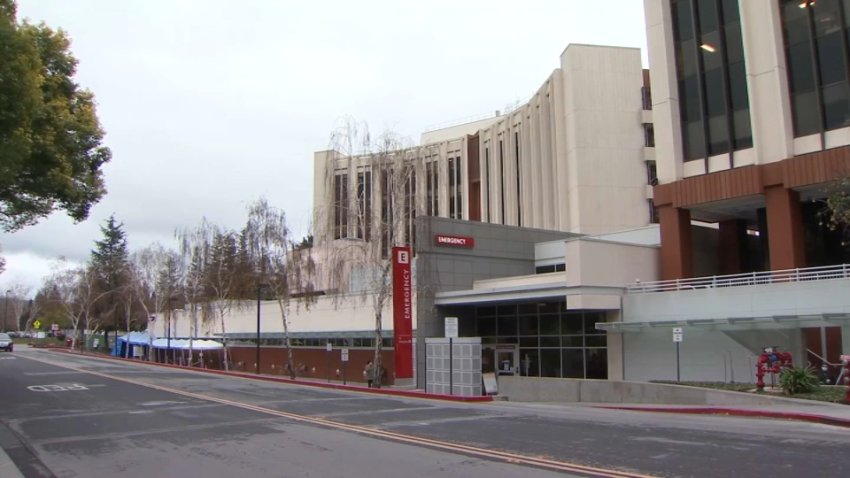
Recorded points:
(344, 358)
(451, 333)
(678, 335)
(403, 312)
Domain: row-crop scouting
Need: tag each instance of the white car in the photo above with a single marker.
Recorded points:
(6, 342)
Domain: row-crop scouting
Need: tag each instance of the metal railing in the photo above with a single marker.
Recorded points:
(841, 271)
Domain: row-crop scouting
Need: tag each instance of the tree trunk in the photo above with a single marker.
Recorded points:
(379, 343)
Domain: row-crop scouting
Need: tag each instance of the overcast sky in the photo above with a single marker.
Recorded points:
(210, 104)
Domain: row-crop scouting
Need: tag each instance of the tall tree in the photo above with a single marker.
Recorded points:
(110, 265)
(282, 269)
(50, 137)
(358, 259)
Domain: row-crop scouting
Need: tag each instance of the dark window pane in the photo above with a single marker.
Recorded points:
(528, 341)
(718, 133)
(572, 341)
(508, 340)
(831, 59)
(529, 363)
(507, 325)
(827, 18)
(507, 310)
(683, 29)
(743, 131)
(806, 114)
(715, 98)
(801, 68)
(707, 15)
(730, 11)
(573, 363)
(550, 341)
(550, 363)
(528, 325)
(486, 326)
(734, 43)
(590, 320)
(694, 140)
(738, 86)
(597, 363)
(596, 341)
(550, 325)
(796, 30)
(686, 58)
(690, 99)
(712, 57)
(486, 311)
(836, 106)
(571, 323)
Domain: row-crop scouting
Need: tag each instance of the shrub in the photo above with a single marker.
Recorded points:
(801, 379)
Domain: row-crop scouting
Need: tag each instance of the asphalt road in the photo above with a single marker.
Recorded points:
(70, 416)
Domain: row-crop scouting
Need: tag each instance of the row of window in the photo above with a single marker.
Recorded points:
(336, 343)
(711, 71)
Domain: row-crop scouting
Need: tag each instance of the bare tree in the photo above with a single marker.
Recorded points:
(16, 295)
(213, 275)
(282, 268)
(372, 186)
(74, 289)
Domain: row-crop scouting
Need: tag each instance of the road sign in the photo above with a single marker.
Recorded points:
(451, 327)
(344, 355)
(37, 324)
(677, 337)
(677, 330)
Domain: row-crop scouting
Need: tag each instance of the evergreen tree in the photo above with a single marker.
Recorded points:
(110, 265)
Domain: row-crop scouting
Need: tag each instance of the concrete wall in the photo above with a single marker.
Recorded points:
(592, 262)
(704, 355)
(524, 389)
(790, 298)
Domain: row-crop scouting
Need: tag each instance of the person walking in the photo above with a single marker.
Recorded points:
(369, 373)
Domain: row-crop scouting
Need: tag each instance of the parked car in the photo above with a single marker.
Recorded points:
(6, 342)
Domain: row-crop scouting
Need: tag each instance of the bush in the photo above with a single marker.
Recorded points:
(794, 380)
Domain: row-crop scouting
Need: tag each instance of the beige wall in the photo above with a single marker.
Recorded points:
(598, 263)
(355, 313)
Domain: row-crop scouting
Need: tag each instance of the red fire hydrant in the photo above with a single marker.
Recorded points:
(772, 361)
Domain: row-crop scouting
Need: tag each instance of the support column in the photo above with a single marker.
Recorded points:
(785, 228)
(676, 245)
(733, 240)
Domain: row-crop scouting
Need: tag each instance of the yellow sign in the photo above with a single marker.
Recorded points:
(37, 324)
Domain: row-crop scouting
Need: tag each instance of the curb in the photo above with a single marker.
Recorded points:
(738, 412)
(272, 378)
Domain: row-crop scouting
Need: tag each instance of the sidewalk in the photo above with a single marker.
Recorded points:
(800, 410)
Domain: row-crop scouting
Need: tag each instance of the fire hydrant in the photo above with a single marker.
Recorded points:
(772, 361)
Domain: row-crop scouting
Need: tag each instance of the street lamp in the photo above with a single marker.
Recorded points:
(259, 297)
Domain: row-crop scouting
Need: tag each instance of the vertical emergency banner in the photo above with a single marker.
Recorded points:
(402, 312)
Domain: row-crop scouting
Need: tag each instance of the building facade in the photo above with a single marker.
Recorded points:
(751, 108)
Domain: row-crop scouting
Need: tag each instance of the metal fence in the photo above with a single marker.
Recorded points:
(841, 271)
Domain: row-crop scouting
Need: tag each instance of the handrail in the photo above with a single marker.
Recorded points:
(841, 271)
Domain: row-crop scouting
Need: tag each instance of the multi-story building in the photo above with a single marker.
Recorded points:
(751, 108)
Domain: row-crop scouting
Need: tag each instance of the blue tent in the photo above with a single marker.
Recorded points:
(138, 343)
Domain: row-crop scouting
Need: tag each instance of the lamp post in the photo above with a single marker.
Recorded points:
(168, 334)
(259, 297)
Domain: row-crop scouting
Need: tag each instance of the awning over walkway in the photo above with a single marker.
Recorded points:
(186, 344)
(775, 322)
